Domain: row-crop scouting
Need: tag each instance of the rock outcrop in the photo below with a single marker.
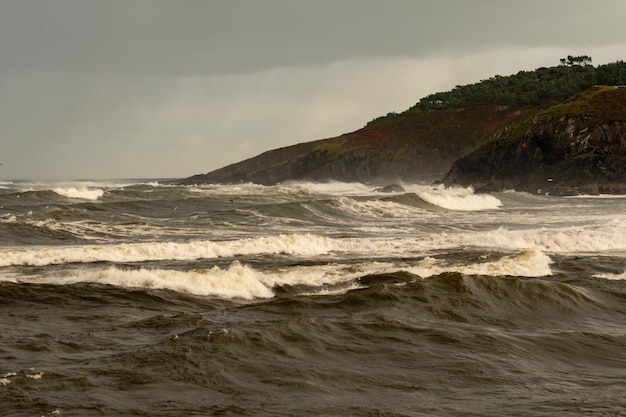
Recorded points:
(575, 147)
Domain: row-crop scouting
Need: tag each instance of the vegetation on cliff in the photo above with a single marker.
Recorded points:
(529, 88)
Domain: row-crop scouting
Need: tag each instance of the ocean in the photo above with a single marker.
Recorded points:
(140, 298)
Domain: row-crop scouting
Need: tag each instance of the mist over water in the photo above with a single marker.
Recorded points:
(142, 298)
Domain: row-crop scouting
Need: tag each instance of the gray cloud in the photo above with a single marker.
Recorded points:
(207, 37)
(154, 88)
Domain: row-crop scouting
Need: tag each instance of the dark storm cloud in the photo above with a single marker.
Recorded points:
(208, 37)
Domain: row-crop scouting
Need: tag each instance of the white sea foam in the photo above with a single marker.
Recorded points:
(606, 238)
(333, 188)
(619, 277)
(569, 240)
(84, 193)
(35, 376)
(79, 189)
(243, 282)
(238, 281)
(529, 263)
(290, 188)
(8, 218)
(596, 197)
(375, 208)
(8, 377)
(300, 245)
(462, 199)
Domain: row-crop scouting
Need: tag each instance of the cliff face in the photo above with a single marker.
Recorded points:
(413, 147)
(578, 146)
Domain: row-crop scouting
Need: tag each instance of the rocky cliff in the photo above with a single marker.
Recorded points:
(578, 146)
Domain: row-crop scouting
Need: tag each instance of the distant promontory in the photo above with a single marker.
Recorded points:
(554, 130)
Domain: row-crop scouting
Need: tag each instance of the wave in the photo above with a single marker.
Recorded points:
(240, 281)
(610, 237)
(303, 245)
(449, 198)
(410, 205)
(236, 282)
(597, 238)
(462, 199)
(288, 191)
(379, 209)
(529, 263)
(74, 189)
(9, 377)
(62, 225)
(328, 188)
(83, 193)
(5, 185)
(618, 277)
(14, 232)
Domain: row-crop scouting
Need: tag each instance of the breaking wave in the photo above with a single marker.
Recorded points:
(239, 281)
(309, 245)
(83, 193)
(462, 199)
(596, 239)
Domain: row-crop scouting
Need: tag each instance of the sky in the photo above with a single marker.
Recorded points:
(110, 89)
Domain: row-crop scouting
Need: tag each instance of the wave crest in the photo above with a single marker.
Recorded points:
(83, 193)
(302, 245)
(462, 199)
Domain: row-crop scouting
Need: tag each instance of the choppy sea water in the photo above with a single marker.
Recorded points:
(136, 298)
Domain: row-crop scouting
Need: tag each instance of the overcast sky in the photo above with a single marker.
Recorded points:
(105, 89)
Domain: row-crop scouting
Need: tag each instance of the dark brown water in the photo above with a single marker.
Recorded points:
(136, 299)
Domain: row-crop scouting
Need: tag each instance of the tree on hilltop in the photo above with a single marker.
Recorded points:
(570, 61)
